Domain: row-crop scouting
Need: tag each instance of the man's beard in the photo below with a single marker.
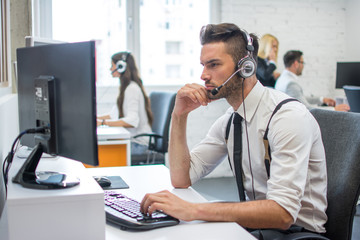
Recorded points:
(230, 88)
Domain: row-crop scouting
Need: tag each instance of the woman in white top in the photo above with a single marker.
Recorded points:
(133, 105)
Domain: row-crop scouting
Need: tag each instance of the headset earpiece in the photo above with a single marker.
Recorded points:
(247, 64)
(121, 64)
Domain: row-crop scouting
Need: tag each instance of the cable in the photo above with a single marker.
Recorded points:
(247, 140)
(9, 158)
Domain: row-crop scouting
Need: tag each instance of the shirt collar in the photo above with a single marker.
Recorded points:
(292, 74)
(251, 102)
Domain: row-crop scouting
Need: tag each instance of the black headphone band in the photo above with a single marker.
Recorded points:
(125, 56)
(248, 41)
(247, 63)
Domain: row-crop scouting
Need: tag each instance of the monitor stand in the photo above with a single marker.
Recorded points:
(28, 176)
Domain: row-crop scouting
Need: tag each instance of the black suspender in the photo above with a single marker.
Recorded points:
(267, 160)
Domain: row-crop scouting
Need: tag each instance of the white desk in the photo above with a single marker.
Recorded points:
(154, 178)
(78, 212)
(71, 213)
(110, 133)
(114, 146)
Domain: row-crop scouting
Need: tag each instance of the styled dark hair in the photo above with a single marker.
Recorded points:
(233, 36)
(131, 74)
(291, 56)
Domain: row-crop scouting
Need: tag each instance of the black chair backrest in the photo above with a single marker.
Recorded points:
(353, 97)
(162, 104)
(341, 137)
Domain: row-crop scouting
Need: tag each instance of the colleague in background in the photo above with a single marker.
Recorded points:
(275, 199)
(288, 83)
(132, 109)
(267, 59)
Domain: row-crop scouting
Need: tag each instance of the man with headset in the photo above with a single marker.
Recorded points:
(286, 192)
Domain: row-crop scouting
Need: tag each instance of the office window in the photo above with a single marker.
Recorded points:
(173, 72)
(100, 20)
(173, 48)
(169, 40)
(158, 33)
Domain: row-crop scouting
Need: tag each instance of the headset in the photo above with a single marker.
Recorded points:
(246, 67)
(247, 64)
(121, 64)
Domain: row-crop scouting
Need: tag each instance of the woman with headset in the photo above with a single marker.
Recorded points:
(267, 58)
(132, 109)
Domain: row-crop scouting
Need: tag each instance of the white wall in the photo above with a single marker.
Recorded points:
(9, 123)
(352, 36)
(316, 27)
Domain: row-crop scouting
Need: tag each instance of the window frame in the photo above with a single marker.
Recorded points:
(5, 69)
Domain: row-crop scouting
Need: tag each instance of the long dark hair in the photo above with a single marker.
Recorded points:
(131, 74)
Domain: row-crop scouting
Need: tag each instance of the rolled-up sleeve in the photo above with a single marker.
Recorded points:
(210, 152)
(291, 145)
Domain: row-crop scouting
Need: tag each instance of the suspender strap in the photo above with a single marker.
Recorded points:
(267, 160)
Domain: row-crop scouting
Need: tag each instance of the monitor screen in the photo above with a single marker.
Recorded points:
(56, 89)
(347, 73)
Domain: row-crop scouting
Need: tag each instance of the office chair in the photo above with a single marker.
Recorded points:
(162, 104)
(341, 137)
(353, 97)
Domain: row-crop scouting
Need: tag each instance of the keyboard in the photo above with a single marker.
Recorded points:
(125, 212)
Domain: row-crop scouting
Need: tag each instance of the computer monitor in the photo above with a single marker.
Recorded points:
(56, 91)
(347, 73)
(31, 41)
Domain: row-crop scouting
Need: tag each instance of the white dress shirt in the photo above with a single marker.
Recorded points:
(134, 113)
(298, 178)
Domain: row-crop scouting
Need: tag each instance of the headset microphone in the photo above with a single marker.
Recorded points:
(216, 90)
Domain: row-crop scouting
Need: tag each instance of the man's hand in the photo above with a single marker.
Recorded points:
(276, 75)
(168, 203)
(329, 102)
(190, 97)
(342, 108)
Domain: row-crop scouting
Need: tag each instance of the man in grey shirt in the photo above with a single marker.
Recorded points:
(288, 83)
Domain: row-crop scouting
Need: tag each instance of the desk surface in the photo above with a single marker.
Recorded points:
(111, 133)
(154, 178)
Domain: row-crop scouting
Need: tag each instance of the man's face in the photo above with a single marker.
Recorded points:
(218, 67)
(300, 66)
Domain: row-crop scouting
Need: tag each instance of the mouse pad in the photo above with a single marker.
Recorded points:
(116, 183)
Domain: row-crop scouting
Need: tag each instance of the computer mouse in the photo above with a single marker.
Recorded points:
(103, 181)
